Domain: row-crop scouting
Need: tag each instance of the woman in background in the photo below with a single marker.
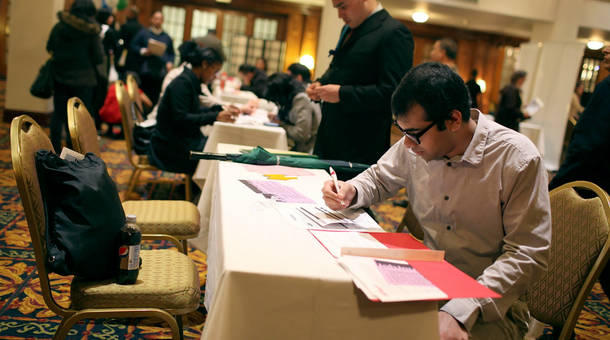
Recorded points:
(180, 114)
(575, 108)
(509, 110)
(298, 115)
(76, 50)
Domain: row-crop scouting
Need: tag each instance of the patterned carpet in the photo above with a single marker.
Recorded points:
(23, 314)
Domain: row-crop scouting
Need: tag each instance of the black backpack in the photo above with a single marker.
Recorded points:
(83, 215)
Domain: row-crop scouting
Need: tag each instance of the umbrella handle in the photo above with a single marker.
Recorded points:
(210, 156)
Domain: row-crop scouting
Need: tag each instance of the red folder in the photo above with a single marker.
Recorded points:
(449, 279)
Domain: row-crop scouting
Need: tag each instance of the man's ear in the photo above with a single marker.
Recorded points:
(455, 120)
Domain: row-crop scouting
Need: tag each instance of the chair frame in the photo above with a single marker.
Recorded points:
(77, 108)
(139, 163)
(21, 127)
(599, 264)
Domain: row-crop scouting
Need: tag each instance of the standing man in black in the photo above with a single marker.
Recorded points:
(373, 54)
(128, 31)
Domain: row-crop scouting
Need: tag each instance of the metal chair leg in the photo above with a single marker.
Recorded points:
(188, 190)
(180, 326)
(185, 247)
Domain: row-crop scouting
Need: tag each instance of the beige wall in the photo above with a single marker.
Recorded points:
(30, 24)
(330, 29)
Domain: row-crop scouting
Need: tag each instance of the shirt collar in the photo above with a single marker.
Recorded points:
(476, 149)
(377, 9)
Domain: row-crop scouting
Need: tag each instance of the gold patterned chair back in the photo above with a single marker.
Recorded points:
(82, 128)
(133, 90)
(579, 252)
(27, 137)
(126, 106)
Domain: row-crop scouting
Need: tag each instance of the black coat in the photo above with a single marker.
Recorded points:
(588, 155)
(127, 33)
(509, 110)
(77, 49)
(368, 67)
(179, 119)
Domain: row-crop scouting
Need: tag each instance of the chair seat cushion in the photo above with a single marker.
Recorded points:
(176, 218)
(168, 280)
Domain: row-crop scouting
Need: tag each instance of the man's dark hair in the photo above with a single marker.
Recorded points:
(437, 89)
(246, 68)
(474, 73)
(516, 76)
(155, 12)
(450, 47)
(300, 69)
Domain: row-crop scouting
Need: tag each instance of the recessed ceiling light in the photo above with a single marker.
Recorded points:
(420, 16)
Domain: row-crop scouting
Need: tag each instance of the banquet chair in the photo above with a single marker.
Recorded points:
(579, 252)
(140, 163)
(167, 285)
(156, 218)
(133, 91)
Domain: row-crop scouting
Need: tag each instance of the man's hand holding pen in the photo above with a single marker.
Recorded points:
(341, 199)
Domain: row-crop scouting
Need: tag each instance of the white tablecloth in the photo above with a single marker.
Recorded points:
(268, 279)
(242, 134)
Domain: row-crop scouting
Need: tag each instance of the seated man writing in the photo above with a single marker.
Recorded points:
(479, 191)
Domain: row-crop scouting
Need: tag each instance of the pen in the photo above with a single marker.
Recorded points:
(333, 175)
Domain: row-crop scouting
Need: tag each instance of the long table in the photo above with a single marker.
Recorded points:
(268, 279)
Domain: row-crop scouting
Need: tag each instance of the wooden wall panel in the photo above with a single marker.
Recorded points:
(3, 35)
(294, 37)
(309, 43)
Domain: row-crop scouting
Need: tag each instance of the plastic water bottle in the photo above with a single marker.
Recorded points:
(129, 252)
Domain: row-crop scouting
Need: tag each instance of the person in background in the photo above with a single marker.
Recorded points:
(152, 68)
(301, 73)
(110, 42)
(253, 80)
(445, 51)
(180, 115)
(207, 99)
(126, 34)
(110, 113)
(297, 114)
(76, 50)
(474, 89)
(479, 191)
(587, 154)
(509, 109)
(374, 51)
(261, 64)
(575, 107)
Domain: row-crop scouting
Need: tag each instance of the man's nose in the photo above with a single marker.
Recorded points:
(409, 143)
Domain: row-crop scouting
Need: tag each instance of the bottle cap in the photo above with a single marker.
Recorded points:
(130, 218)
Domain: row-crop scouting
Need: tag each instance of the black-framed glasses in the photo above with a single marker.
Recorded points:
(414, 137)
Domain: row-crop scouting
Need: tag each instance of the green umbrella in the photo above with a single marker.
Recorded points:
(260, 156)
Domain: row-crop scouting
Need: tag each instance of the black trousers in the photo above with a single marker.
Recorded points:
(59, 119)
(151, 85)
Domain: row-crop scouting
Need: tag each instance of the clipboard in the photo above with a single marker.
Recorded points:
(156, 47)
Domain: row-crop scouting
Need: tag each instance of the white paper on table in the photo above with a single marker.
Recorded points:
(334, 241)
(312, 216)
(534, 106)
(389, 280)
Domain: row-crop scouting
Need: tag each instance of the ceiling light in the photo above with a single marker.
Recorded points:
(420, 16)
(595, 44)
(307, 60)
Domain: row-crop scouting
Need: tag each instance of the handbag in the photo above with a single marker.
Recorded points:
(44, 82)
(83, 216)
